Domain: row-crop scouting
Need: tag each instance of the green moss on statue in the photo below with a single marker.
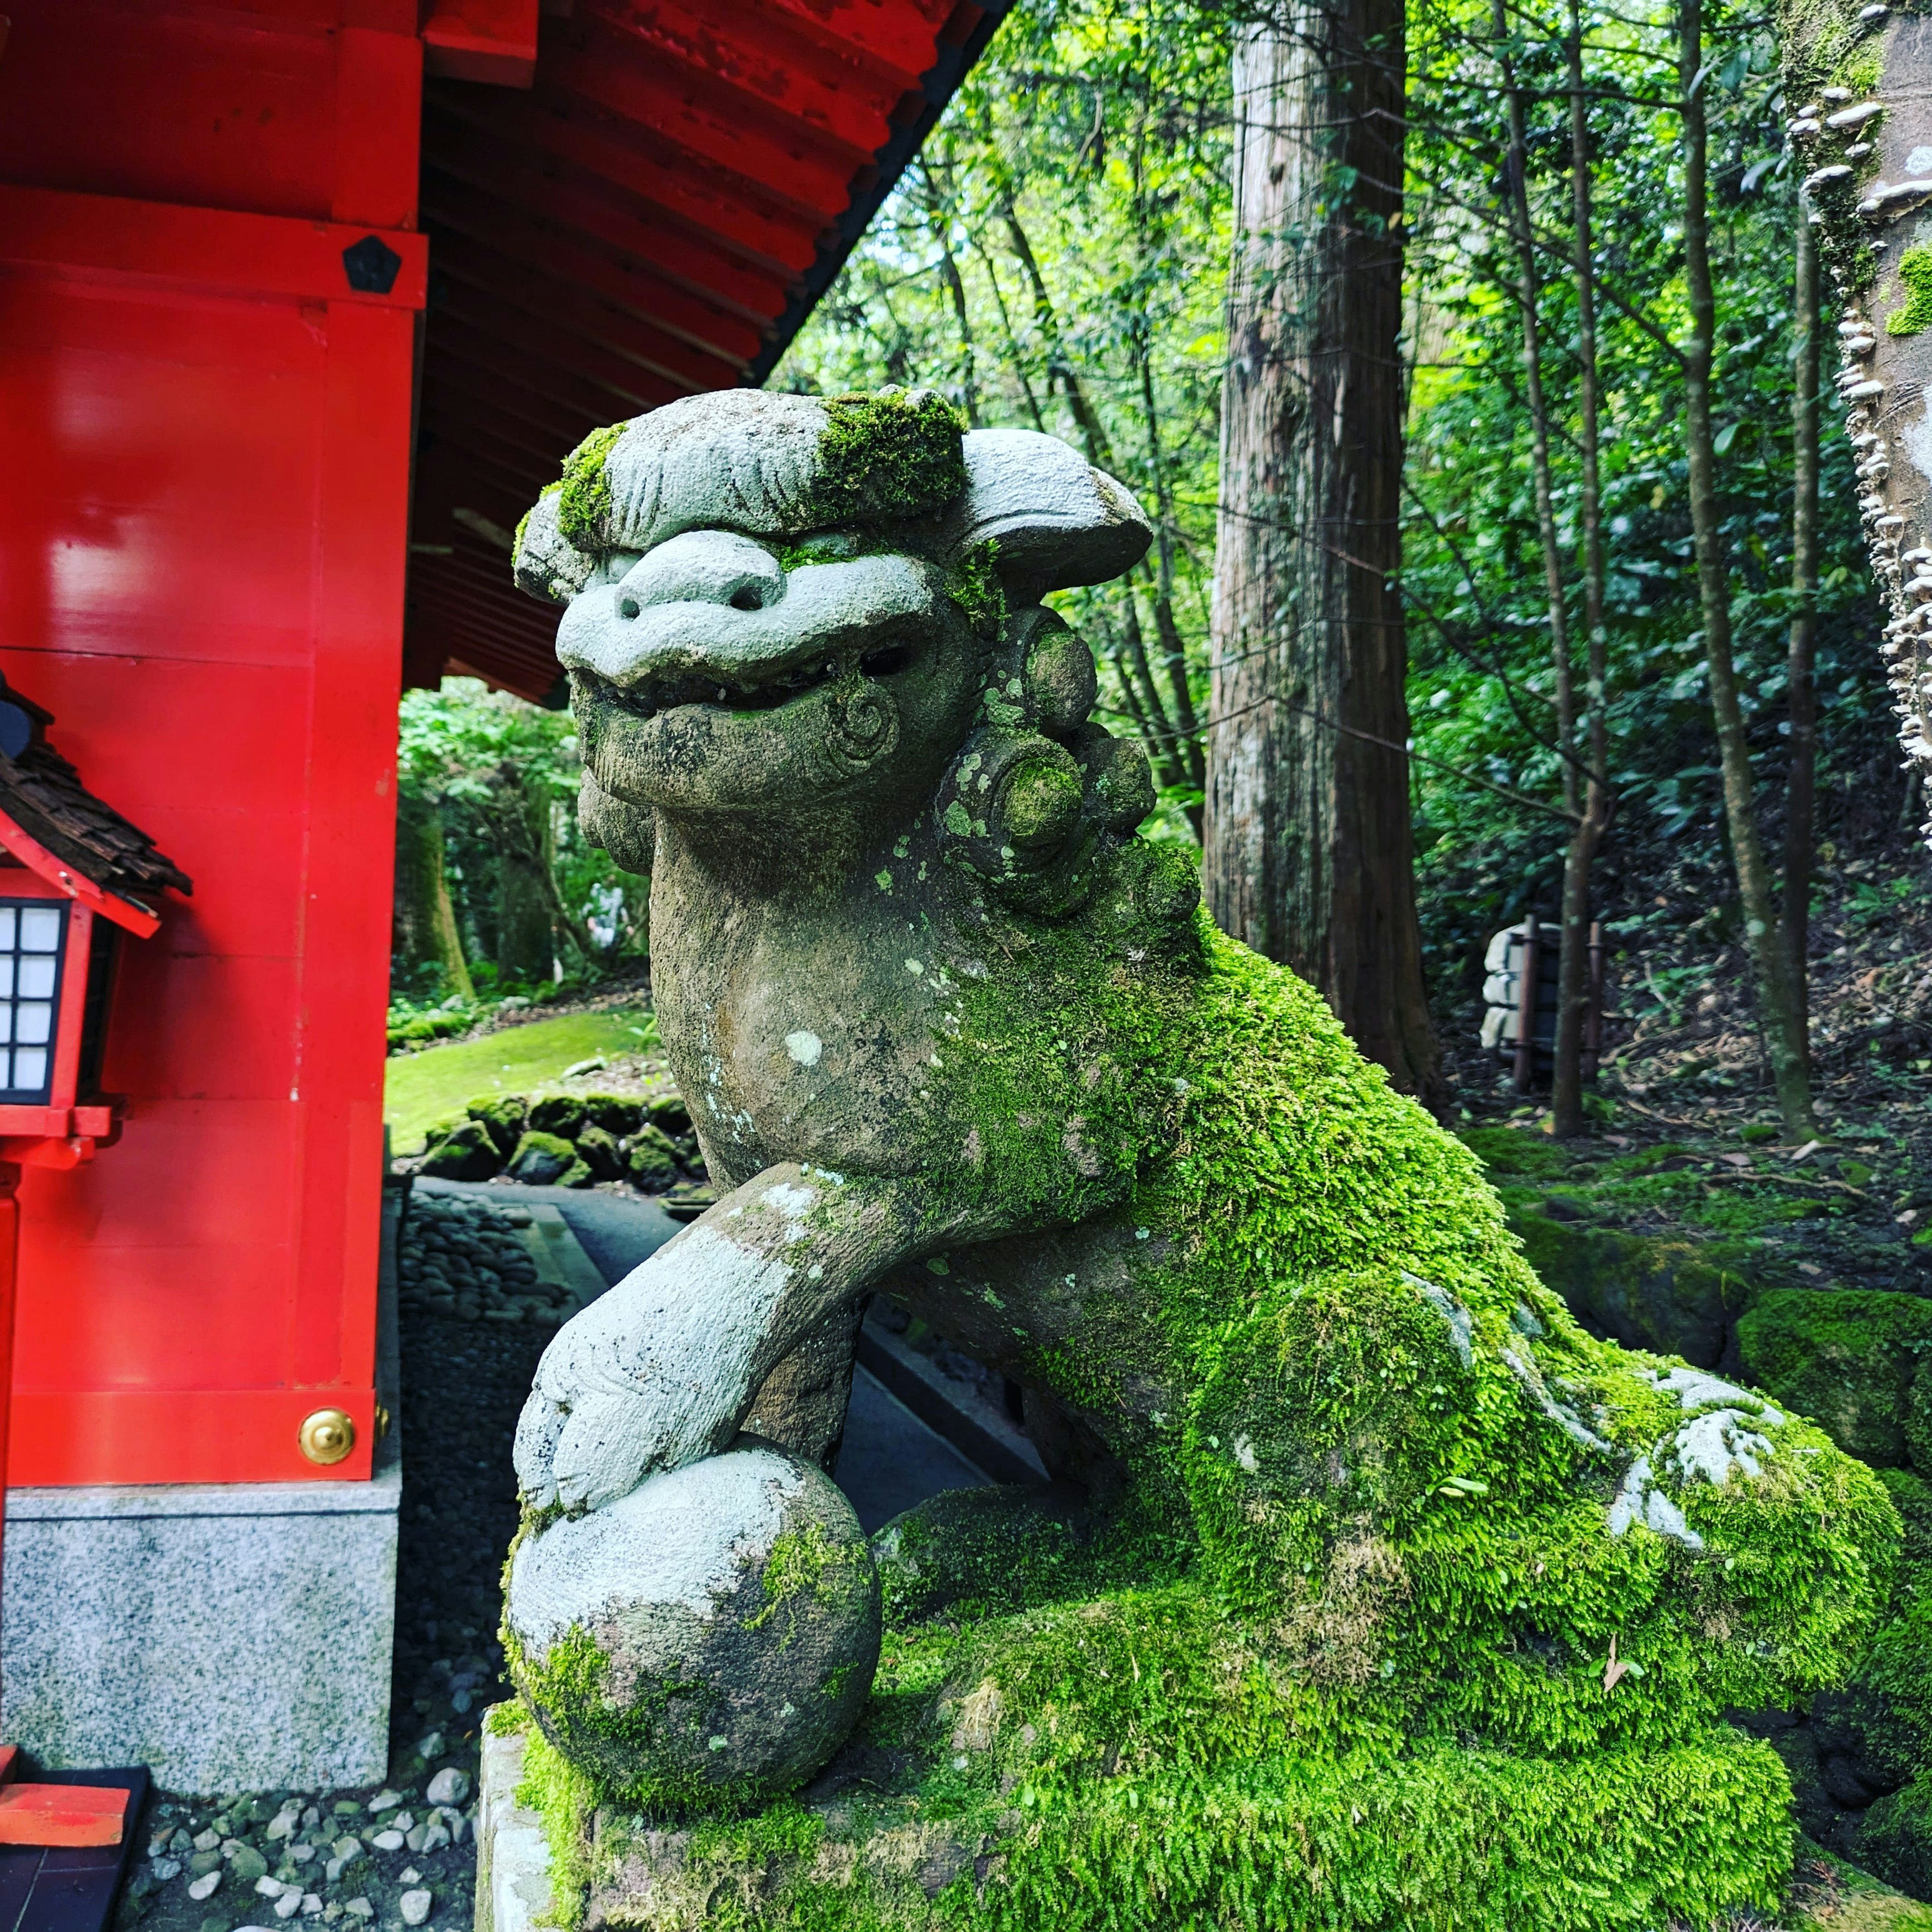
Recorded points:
(886, 457)
(1915, 270)
(973, 584)
(1377, 1592)
(584, 499)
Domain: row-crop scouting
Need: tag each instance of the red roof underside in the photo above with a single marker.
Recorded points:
(634, 228)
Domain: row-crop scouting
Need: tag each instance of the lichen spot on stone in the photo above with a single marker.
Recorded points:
(805, 1049)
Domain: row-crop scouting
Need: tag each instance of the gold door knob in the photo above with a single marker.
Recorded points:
(327, 1436)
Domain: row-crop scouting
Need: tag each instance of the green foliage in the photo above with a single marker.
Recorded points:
(1096, 133)
(490, 764)
(1482, 689)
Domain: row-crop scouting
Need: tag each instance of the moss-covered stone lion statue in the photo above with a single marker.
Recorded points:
(1370, 1591)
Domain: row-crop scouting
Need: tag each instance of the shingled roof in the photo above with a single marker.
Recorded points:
(71, 838)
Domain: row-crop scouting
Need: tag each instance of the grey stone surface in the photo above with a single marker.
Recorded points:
(231, 1637)
(724, 1666)
(513, 1880)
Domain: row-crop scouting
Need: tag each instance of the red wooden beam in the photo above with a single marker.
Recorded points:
(794, 77)
(562, 387)
(555, 351)
(491, 436)
(464, 390)
(486, 473)
(563, 309)
(766, 228)
(640, 291)
(490, 596)
(903, 35)
(494, 41)
(809, 171)
(570, 200)
(210, 248)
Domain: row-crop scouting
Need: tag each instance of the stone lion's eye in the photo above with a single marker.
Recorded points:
(629, 606)
(747, 599)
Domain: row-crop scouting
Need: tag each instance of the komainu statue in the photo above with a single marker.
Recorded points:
(1369, 1590)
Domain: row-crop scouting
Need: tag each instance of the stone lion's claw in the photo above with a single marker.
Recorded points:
(535, 1452)
(605, 1447)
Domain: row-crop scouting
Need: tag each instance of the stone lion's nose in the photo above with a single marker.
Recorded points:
(703, 567)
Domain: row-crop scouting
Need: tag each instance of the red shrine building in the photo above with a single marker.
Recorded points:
(301, 302)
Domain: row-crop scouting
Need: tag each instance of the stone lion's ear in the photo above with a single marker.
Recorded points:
(547, 564)
(1058, 520)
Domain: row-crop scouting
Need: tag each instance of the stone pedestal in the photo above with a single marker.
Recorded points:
(230, 1637)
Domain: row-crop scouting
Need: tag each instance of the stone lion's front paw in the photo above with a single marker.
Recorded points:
(615, 1398)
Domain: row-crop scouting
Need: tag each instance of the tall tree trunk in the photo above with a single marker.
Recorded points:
(525, 939)
(1801, 793)
(1308, 853)
(1781, 1022)
(939, 216)
(1528, 282)
(1573, 987)
(425, 926)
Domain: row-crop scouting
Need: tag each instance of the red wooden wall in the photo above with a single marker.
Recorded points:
(205, 440)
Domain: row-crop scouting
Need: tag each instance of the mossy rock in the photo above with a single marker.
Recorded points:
(615, 1113)
(1912, 1496)
(1473, 1840)
(598, 1149)
(1888, 1708)
(1832, 1896)
(547, 1160)
(669, 1114)
(557, 1114)
(1642, 1291)
(1895, 1841)
(503, 1115)
(652, 1161)
(437, 1132)
(466, 1152)
(735, 1627)
(1846, 1358)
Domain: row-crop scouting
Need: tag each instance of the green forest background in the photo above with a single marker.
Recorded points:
(1056, 258)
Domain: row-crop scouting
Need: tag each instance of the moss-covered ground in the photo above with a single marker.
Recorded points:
(420, 1088)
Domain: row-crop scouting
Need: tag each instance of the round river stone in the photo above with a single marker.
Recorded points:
(707, 1641)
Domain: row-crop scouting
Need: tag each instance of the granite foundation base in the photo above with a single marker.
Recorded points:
(231, 1637)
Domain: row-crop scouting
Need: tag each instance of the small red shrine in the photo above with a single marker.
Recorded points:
(301, 302)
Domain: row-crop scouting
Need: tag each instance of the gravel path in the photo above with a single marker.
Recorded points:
(473, 1322)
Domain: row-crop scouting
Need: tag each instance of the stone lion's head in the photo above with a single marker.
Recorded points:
(780, 605)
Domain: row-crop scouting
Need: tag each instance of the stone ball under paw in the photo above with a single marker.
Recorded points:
(706, 1641)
